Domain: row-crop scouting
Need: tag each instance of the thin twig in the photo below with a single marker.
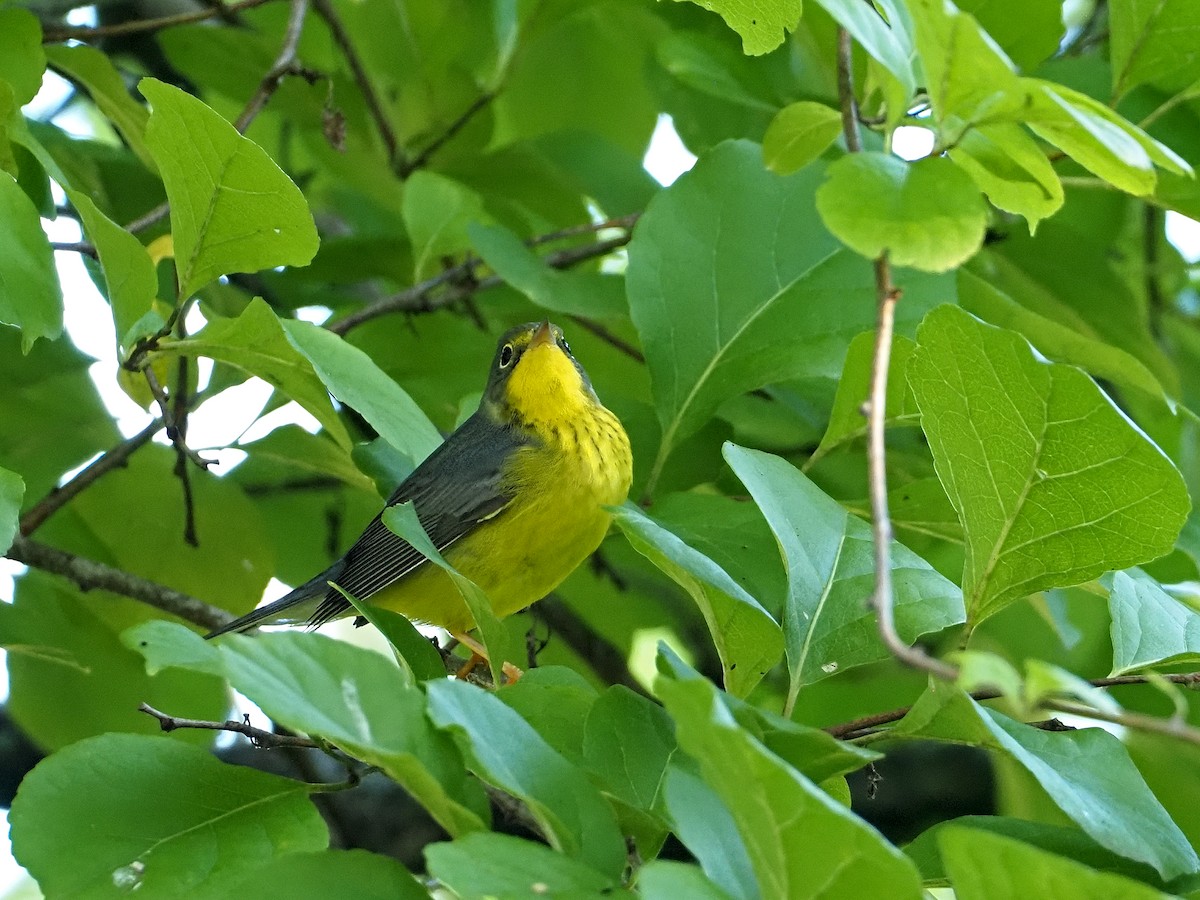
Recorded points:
(91, 575)
(60, 496)
(607, 660)
(1174, 727)
(442, 139)
(136, 26)
(857, 727)
(172, 429)
(887, 295)
(259, 737)
(341, 36)
(151, 217)
(75, 247)
(285, 64)
(605, 335)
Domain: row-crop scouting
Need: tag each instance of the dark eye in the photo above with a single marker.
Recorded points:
(506, 355)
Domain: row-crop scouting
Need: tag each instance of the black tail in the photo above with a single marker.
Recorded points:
(294, 608)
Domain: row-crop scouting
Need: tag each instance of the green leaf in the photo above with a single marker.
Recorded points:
(354, 378)
(402, 520)
(257, 343)
(800, 841)
(704, 824)
(128, 269)
(887, 38)
(232, 208)
(360, 701)
(1154, 41)
(1028, 31)
(827, 626)
(580, 293)
(685, 262)
(628, 742)
(333, 873)
(504, 750)
(1149, 626)
(93, 70)
(762, 24)
(168, 645)
(30, 297)
(414, 651)
(748, 640)
(499, 865)
(982, 865)
(981, 297)
(157, 838)
(1008, 165)
(798, 134)
(437, 211)
(1086, 772)
(927, 214)
(22, 59)
(662, 879)
(1052, 483)
(12, 492)
(846, 419)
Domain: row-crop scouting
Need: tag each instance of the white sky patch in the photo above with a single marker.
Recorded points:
(1184, 234)
(666, 157)
(912, 142)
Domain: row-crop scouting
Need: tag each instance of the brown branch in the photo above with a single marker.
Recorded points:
(74, 247)
(285, 64)
(882, 599)
(607, 336)
(60, 496)
(445, 137)
(341, 36)
(91, 575)
(867, 724)
(136, 26)
(607, 660)
(458, 282)
(259, 737)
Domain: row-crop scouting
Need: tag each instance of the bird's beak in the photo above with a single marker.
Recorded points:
(544, 335)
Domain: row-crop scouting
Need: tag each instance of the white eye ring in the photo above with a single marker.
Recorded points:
(506, 356)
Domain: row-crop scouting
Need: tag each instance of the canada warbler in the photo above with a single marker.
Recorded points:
(514, 499)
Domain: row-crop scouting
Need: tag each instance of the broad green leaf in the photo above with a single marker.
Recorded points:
(846, 419)
(663, 879)
(166, 645)
(800, 841)
(257, 343)
(1052, 483)
(437, 211)
(927, 214)
(177, 822)
(30, 297)
(969, 78)
(414, 651)
(983, 865)
(887, 38)
(1008, 165)
(504, 750)
(827, 624)
(1149, 626)
(94, 71)
(12, 492)
(589, 294)
(499, 865)
(360, 701)
(1028, 31)
(728, 244)
(628, 742)
(354, 379)
(763, 25)
(798, 134)
(1154, 41)
(128, 269)
(980, 297)
(699, 64)
(232, 208)
(1086, 772)
(748, 640)
(291, 453)
(402, 520)
(22, 59)
(1097, 138)
(332, 873)
(704, 824)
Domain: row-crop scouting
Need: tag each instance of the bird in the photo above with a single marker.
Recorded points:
(514, 499)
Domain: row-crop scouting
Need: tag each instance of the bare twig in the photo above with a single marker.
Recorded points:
(60, 496)
(395, 154)
(458, 283)
(75, 247)
(866, 724)
(91, 575)
(172, 429)
(607, 336)
(442, 139)
(887, 296)
(259, 737)
(285, 64)
(608, 661)
(136, 26)
(151, 217)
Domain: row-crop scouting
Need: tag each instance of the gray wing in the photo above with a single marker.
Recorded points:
(457, 487)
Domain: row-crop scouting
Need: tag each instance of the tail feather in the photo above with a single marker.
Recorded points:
(294, 608)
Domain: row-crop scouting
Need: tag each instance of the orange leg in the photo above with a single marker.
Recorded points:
(478, 655)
